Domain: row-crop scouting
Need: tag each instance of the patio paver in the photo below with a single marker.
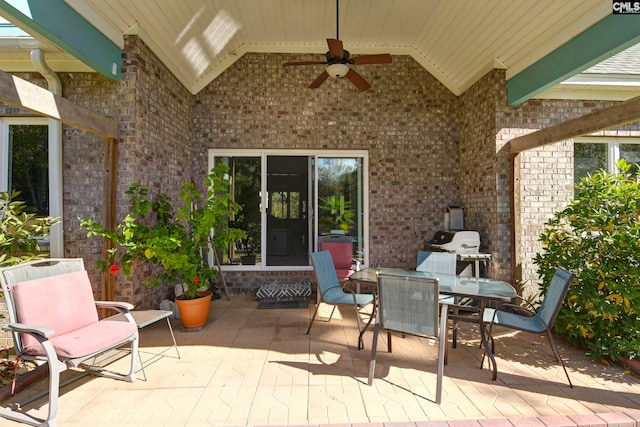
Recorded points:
(251, 367)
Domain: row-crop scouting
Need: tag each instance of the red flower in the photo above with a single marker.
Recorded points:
(196, 280)
(113, 269)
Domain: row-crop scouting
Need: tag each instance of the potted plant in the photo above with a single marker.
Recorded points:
(179, 244)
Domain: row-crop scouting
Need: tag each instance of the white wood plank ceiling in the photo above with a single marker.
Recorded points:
(458, 41)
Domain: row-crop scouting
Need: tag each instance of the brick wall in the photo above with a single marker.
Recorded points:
(407, 121)
(154, 148)
(482, 170)
(545, 181)
(427, 149)
(153, 111)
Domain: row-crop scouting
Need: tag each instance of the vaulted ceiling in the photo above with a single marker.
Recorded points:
(458, 41)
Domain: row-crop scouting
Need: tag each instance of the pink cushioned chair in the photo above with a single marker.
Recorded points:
(53, 318)
(341, 249)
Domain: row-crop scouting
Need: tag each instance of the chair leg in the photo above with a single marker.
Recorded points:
(313, 318)
(363, 330)
(55, 367)
(454, 341)
(489, 349)
(134, 351)
(442, 348)
(374, 346)
(556, 354)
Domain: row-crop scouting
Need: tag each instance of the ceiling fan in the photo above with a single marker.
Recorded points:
(339, 60)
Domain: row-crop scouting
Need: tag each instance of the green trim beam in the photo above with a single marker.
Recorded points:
(57, 22)
(606, 38)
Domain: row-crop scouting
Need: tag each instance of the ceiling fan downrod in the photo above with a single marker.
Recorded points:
(337, 19)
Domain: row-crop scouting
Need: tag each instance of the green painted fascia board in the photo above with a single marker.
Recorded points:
(64, 27)
(609, 36)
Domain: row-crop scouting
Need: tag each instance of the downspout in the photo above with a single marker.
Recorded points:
(56, 238)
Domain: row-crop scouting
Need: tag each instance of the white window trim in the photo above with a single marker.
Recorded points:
(55, 237)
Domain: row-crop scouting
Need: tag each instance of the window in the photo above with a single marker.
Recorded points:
(27, 165)
(600, 153)
(291, 198)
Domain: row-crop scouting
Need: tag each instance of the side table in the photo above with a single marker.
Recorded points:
(144, 318)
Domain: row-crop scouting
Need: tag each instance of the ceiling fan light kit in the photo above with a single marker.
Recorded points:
(338, 61)
(337, 71)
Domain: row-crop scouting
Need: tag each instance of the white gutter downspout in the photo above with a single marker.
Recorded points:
(56, 240)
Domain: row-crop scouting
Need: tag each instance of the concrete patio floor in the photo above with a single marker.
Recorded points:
(253, 367)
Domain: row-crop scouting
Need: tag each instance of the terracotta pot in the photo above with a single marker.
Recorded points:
(194, 312)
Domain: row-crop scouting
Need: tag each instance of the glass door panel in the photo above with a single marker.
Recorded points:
(340, 200)
(247, 192)
(287, 219)
(245, 174)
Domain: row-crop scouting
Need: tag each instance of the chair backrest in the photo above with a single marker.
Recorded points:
(555, 295)
(341, 248)
(325, 271)
(409, 304)
(436, 262)
(26, 272)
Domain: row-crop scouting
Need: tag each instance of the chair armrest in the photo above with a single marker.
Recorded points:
(528, 310)
(42, 331)
(334, 287)
(120, 307)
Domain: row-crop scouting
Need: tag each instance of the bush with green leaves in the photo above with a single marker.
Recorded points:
(19, 231)
(597, 237)
(149, 233)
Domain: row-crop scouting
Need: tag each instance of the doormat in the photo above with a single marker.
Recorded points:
(284, 304)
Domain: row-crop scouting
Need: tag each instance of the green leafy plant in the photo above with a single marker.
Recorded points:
(598, 238)
(19, 231)
(150, 233)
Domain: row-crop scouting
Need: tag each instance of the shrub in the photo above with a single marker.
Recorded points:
(598, 238)
(19, 231)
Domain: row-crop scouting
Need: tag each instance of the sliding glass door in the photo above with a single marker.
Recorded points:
(340, 200)
(291, 199)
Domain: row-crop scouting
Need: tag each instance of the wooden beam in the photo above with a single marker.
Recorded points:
(615, 115)
(109, 211)
(516, 227)
(20, 93)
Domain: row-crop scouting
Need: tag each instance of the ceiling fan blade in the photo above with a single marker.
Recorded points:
(304, 63)
(317, 82)
(383, 58)
(335, 47)
(358, 80)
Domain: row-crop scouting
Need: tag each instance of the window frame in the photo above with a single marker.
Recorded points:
(264, 154)
(613, 147)
(5, 125)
